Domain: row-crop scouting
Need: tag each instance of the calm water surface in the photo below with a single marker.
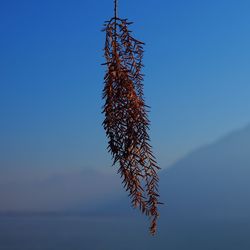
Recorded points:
(119, 233)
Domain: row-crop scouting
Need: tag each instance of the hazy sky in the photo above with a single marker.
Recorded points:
(197, 80)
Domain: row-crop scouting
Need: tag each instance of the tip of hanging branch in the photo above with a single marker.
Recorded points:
(115, 10)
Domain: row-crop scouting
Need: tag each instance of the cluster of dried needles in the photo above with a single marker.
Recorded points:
(126, 122)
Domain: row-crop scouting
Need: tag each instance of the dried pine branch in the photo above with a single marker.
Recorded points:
(126, 121)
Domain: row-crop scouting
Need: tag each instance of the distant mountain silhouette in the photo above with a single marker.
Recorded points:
(60, 193)
(211, 182)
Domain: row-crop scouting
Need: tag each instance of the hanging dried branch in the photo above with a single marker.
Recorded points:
(126, 121)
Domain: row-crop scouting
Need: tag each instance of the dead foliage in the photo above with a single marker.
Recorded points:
(126, 120)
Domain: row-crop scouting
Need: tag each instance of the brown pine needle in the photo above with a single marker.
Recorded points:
(126, 122)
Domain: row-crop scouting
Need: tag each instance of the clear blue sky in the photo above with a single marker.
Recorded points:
(197, 82)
